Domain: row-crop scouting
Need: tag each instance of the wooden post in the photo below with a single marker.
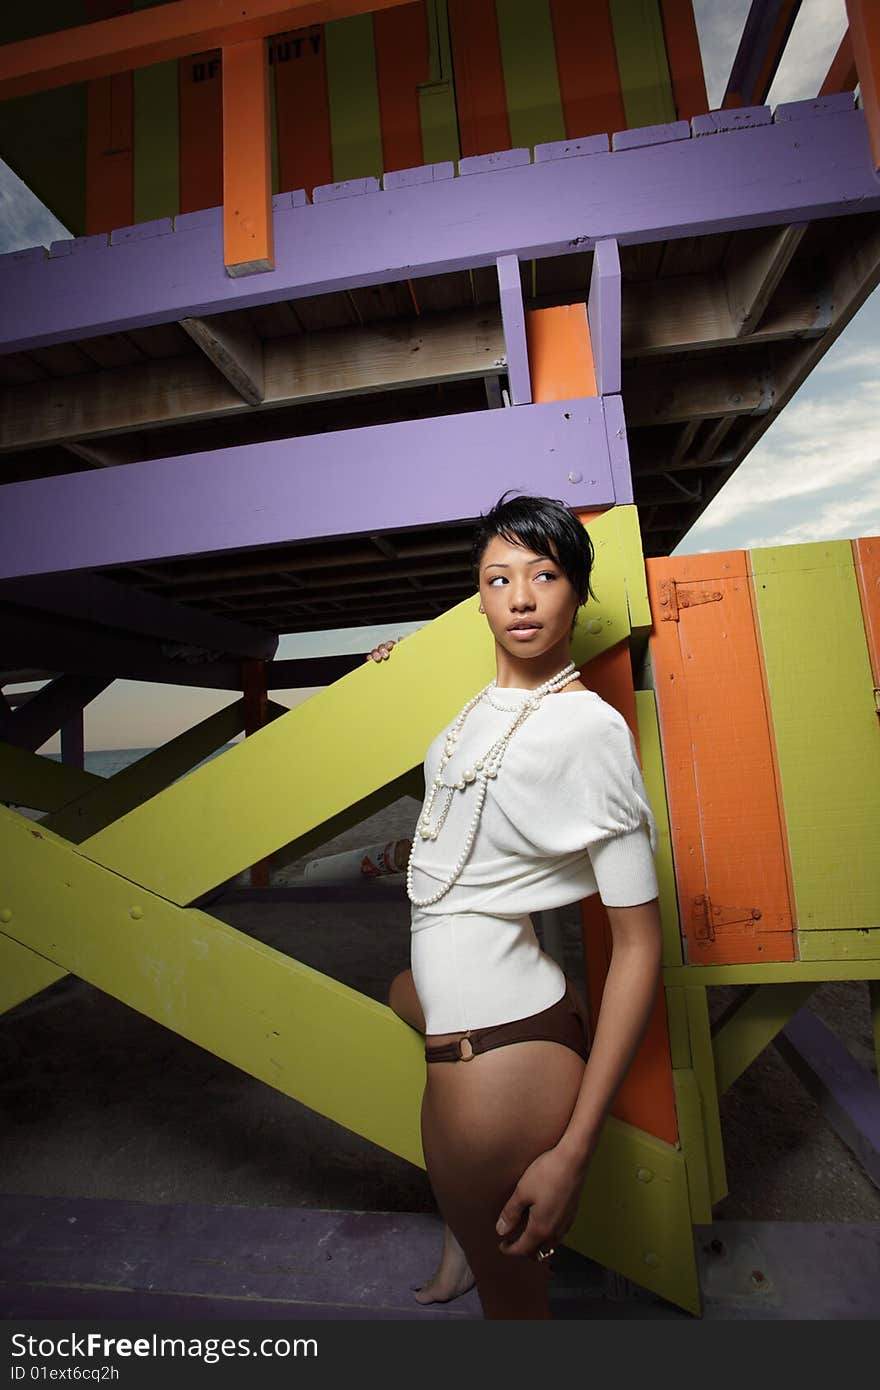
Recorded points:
(256, 709)
(248, 242)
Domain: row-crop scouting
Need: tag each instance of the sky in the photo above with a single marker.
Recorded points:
(780, 495)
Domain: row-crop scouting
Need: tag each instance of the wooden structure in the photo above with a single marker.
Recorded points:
(283, 413)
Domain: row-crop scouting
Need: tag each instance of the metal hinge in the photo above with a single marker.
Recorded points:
(672, 598)
(705, 917)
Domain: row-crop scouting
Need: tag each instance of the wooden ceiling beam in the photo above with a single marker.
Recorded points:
(235, 350)
(396, 354)
(663, 394)
(756, 263)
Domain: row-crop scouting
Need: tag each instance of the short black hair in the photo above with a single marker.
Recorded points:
(542, 524)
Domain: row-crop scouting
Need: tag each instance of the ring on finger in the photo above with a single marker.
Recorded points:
(545, 1254)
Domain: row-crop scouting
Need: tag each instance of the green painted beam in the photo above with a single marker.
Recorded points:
(156, 142)
(845, 947)
(751, 1023)
(531, 80)
(22, 972)
(824, 718)
(655, 785)
(132, 785)
(353, 98)
(641, 59)
(703, 1059)
(335, 1050)
(437, 110)
(692, 1136)
(244, 806)
(30, 779)
(771, 972)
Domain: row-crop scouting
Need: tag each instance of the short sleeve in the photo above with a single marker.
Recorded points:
(621, 829)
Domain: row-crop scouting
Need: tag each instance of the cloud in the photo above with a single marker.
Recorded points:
(24, 220)
(813, 41)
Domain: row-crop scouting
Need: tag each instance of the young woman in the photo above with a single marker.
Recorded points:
(534, 799)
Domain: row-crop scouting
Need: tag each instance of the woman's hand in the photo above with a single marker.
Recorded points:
(543, 1205)
(383, 651)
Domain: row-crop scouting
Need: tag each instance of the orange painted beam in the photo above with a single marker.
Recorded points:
(864, 28)
(302, 112)
(109, 142)
(480, 94)
(560, 353)
(403, 61)
(248, 244)
(842, 75)
(586, 61)
(685, 58)
(866, 557)
(153, 35)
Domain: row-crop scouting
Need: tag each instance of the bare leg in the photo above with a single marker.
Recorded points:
(483, 1122)
(453, 1275)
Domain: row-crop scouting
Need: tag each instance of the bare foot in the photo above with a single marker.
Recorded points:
(452, 1276)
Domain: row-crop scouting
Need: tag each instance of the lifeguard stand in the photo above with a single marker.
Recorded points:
(332, 289)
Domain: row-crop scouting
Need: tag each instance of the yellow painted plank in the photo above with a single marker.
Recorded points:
(704, 1070)
(437, 112)
(825, 724)
(333, 1049)
(847, 947)
(531, 80)
(363, 731)
(655, 785)
(30, 779)
(353, 98)
(132, 785)
(752, 1026)
(22, 972)
(689, 1112)
(677, 1025)
(769, 971)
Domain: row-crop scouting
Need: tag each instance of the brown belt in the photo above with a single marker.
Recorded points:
(477, 1040)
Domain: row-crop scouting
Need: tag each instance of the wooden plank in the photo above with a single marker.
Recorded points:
(842, 75)
(641, 59)
(770, 972)
(22, 972)
(866, 561)
(751, 1023)
(684, 57)
(156, 142)
(660, 394)
(44, 713)
(110, 157)
(732, 889)
(679, 1030)
(843, 946)
(764, 37)
(437, 111)
(28, 779)
(655, 785)
(201, 131)
(753, 269)
(604, 311)
(845, 1091)
(135, 40)
(248, 229)
(400, 38)
(513, 319)
(305, 150)
(235, 350)
(353, 98)
(310, 367)
(689, 1110)
(528, 57)
(586, 62)
(480, 93)
(864, 29)
(825, 724)
(703, 1059)
(560, 353)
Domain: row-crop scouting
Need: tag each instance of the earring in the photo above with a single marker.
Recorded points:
(481, 609)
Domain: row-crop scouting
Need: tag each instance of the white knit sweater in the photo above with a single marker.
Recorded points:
(566, 817)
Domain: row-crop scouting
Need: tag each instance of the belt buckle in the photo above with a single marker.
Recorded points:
(470, 1054)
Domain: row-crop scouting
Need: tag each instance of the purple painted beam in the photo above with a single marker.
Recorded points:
(603, 314)
(407, 474)
(513, 317)
(760, 50)
(618, 449)
(845, 1091)
(762, 175)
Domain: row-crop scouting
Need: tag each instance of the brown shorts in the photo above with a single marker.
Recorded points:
(560, 1023)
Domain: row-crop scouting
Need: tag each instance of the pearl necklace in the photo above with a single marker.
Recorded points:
(484, 768)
